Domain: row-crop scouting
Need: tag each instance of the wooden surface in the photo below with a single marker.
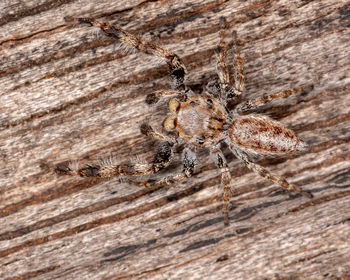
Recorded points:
(69, 93)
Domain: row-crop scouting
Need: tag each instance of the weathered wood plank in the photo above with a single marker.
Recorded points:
(68, 93)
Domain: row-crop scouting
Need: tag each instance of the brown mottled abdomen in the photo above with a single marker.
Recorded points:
(260, 134)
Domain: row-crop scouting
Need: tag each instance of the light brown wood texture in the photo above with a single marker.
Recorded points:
(70, 93)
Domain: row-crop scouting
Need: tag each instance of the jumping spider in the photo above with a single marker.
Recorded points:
(202, 120)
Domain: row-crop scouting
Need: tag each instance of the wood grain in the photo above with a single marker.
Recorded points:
(69, 93)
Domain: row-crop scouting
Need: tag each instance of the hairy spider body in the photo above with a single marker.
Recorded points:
(202, 120)
(198, 121)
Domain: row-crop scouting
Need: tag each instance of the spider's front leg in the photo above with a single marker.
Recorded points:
(109, 170)
(189, 162)
(221, 163)
(176, 66)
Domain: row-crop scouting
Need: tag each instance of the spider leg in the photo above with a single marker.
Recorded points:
(221, 163)
(147, 130)
(213, 89)
(257, 102)
(267, 174)
(189, 161)
(221, 63)
(108, 170)
(176, 66)
(239, 74)
(231, 86)
(154, 97)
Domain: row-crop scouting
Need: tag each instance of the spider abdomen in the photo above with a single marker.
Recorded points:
(261, 134)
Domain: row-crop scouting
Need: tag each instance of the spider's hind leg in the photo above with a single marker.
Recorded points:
(267, 174)
(231, 84)
(221, 63)
(221, 163)
(238, 74)
(255, 103)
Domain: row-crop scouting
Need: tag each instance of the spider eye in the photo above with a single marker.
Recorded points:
(209, 103)
(201, 139)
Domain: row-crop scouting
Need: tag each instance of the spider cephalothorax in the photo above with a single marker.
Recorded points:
(202, 120)
(198, 121)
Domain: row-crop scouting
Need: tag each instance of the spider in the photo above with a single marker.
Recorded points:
(202, 120)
